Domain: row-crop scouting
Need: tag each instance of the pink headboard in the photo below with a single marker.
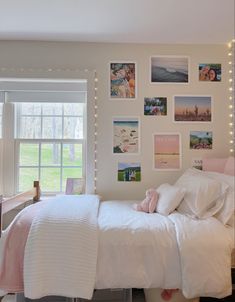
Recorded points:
(221, 165)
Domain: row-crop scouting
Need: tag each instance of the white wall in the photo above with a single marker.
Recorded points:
(44, 55)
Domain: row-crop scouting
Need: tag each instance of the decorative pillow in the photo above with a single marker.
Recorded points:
(229, 168)
(169, 198)
(214, 164)
(204, 196)
(226, 213)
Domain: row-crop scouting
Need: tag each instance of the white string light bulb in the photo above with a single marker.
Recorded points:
(231, 95)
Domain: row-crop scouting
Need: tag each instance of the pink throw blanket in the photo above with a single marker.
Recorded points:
(11, 273)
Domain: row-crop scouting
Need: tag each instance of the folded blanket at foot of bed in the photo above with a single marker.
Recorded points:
(62, 241)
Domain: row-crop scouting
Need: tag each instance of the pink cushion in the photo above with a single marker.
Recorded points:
(229, 166)
(148, 205)
(214, 164)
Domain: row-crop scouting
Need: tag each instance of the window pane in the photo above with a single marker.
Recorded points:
(29, 155)
(50, 154)
(30, 108)
(70, 173)
(73, 109)
(50, 179)
(52, 127)
(72, 155)
(26, 178)
(52, 109)
(73, 127)
(30, 127)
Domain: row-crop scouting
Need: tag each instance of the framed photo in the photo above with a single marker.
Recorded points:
(167, 151)
(169, 69)
(197, 163)
(129, 172)
(155, 106)
(209, 72)
(126, 135)
(192, 109)
(201, 140)
(74, 186)
(122, 81)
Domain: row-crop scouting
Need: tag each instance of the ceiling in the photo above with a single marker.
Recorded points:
(133, 21)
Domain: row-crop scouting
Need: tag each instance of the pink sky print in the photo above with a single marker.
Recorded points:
(167, 143)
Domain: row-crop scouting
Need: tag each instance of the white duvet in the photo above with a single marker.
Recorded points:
(136, 249)
(142, 250)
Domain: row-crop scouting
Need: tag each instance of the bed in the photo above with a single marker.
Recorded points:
(108, 244)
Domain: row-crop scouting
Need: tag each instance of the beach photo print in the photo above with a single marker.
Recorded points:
(169, 69)
(122, 82)
(167, 151)
(126, 135)
(129, 172)
(155, 106)
(201, 140)
(192, 109)
(209, 72)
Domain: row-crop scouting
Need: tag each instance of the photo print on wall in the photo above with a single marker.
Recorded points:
(122, 81)
(155, 106)
(126, 135)
(167, 151)
(192, 109)
(169, 69)
(209, 72)
(129, 172)
(201, 140)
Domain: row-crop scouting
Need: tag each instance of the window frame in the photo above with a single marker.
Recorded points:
(68, 79)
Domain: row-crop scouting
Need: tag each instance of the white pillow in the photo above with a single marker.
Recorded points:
(226, 213)
(169, 198)
(204, 196)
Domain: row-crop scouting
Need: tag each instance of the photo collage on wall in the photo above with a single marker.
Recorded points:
(189, 109)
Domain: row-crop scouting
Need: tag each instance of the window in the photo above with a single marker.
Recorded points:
(49, 140)
(44, 134)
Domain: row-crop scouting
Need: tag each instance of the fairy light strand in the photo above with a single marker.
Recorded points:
(95, 101)
(231, 82)
(95, 130)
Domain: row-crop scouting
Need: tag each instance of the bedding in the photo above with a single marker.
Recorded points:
(169, 198)
(136, 249)
(226, 213)
(204, 196)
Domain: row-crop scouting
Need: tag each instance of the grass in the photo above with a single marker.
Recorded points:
(51, 162)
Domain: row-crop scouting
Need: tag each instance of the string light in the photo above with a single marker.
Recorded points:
(95, 101)
(231, 52)
(95, 130)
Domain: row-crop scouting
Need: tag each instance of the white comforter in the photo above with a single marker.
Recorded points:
(61, 250)
(205, 256)
(153, 251)
(136, 249)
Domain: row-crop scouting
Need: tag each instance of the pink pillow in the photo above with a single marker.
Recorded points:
(148, 205)
(214, 164)
(229, 166)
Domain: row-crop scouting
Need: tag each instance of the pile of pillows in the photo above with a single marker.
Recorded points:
(197, 194)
